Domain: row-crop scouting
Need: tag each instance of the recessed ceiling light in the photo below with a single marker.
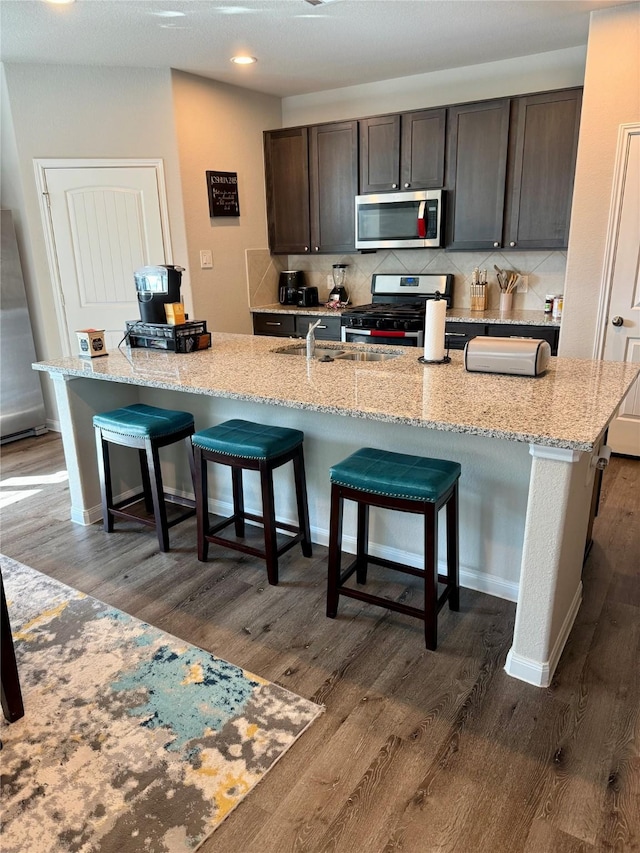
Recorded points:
(168, 14)
(60, 2)
(243, 60)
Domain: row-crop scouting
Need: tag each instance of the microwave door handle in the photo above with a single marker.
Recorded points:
(422, 225)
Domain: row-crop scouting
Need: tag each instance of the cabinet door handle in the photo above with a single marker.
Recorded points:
(394, 186)
(512, 243)
(316, 248)
(495, 245)
(407, 186)
(306, 248)
(321, 327)
(271, 323)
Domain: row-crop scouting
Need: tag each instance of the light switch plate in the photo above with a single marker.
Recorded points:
(206, 259)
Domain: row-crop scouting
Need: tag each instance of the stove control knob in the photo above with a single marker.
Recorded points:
(407, 325)
(379, 324)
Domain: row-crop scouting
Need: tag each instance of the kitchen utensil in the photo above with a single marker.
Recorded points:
(156, 287)
(339, 293)
(307, 297)
(289, 283)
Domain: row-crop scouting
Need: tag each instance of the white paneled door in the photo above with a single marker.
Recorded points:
(103, 220)
(621, 319)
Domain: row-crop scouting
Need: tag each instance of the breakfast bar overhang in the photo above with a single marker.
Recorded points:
(527, 446)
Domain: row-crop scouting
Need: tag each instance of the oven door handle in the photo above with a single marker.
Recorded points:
(422, 222)
(346, 330)
(392, 333)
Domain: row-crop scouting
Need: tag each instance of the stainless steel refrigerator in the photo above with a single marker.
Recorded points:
(21, 403)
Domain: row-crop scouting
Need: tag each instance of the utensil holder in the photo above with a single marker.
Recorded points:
(506, 301)
(478, 297)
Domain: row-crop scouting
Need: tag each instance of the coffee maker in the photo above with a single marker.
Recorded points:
(156, 287)
(289, 284)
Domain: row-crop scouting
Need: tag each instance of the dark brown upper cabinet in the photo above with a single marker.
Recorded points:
(542, 161)
(478, 142)
(286, 154)
(333, 174)
(404, 151)
(312, 182)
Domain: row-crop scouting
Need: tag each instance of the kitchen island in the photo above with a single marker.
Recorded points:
(526, 446)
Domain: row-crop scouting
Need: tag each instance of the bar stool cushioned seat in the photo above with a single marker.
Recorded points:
(145, 428)
(402, 482)
(244, 445)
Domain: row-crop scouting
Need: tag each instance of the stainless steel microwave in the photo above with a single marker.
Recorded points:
(404, 220)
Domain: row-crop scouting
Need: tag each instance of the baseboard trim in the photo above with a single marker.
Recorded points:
(540, 673)
(469, 578)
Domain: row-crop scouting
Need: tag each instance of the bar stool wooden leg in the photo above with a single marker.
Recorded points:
(430, 576)
(146, 483)
(202, 504)
(301, 500)
(155, 481)
(269, 523)
(453, 577)
(362, 542)
(104, 474)
(238, 500)
(335, 551)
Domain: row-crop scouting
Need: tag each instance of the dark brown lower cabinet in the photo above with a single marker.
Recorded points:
(287, 325)
(459, 333)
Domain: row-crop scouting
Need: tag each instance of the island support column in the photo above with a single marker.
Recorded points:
(550, 590)
(78, 400)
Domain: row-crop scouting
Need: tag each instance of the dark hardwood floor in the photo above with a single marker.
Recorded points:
(418, 751)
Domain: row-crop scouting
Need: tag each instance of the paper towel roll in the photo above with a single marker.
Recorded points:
(434, 329)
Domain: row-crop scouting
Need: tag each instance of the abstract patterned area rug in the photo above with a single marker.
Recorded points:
(132, 741)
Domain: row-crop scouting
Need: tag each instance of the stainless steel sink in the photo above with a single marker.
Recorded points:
(328, 353)
(367, 355)
(301, 349)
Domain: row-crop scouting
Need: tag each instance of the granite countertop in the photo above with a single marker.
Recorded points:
(568, 407)
(454, 315)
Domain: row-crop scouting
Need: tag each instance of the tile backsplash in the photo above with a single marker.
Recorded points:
(545, 269)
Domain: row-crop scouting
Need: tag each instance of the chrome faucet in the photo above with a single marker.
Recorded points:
(311, 339)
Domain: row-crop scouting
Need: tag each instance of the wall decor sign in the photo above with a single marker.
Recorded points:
(223, 193)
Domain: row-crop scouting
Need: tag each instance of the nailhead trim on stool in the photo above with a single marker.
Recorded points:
(146, 429)
(406, 483)
(243, 445)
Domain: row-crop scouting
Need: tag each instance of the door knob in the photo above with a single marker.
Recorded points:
(617, 321)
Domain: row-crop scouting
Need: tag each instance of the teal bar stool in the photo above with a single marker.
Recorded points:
(243, 445)
(147, 429)
(410, 484)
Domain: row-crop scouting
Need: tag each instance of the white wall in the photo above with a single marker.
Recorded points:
(71, 112)
(557, 69)
(611, 98)
(219, 127)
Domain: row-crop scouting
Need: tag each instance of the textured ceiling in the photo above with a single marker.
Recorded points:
(300, 48)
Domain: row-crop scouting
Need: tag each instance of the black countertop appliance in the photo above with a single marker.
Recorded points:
(308, 297)
(157, 286)
(289, 283)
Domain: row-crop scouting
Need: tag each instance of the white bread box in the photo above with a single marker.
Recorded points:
(517, 356)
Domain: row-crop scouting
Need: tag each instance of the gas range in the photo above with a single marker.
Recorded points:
(397, 313)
